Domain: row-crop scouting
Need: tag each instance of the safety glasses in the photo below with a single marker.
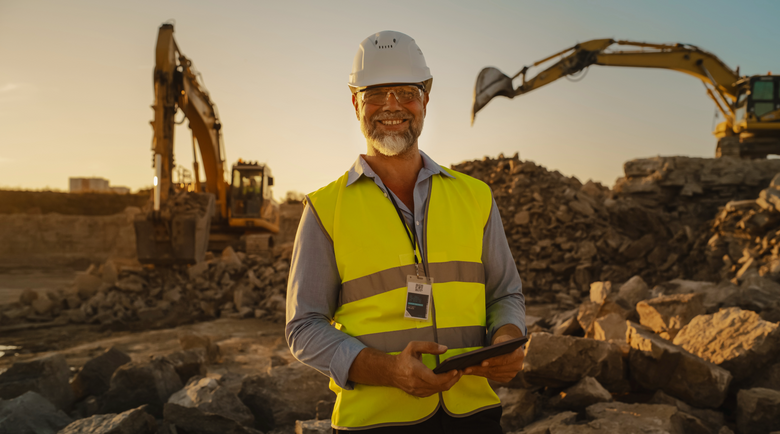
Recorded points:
(403, 94)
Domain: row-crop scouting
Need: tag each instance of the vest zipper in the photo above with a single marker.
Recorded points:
(425, 265)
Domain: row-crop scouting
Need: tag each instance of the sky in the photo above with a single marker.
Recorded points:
(76, 82)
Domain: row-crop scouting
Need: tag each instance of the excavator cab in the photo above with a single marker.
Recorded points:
(251, 198)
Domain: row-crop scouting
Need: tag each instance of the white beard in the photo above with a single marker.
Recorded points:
(391, 144)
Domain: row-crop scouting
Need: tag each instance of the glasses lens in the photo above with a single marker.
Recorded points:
(403, 94)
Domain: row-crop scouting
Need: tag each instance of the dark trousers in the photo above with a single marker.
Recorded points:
(487, 422)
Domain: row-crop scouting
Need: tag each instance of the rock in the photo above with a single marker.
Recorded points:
(191, 420)
(135, 421)
(519, 408)
(312, 427)
(138, 383)
(150, 314)
(634, 418)
(95, 377)
(131, 283)
(639, 248)
(28, 296)
(47, 376)
(551, 424)
(110, 272)
(561, 361)
(522, 218)
(696, 420)
(193, 340)
(656, 363)
(586, 392)
(87, 285)
(769, 378)
(42, 305)
(198, 269)
(188, 363)
(285, 394)
(666, 315)
(611, 327)
(599, 291)
(734, 339)
(633, 291)
(31, 413)
(207, 395)
(325, 410)
(231, 259)
(758, 411)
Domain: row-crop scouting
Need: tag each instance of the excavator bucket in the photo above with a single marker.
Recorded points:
(178, 234)
(490, 83)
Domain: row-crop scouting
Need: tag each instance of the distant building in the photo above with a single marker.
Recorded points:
(99, 185)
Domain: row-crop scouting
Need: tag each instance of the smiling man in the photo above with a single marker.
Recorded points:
(401, 264)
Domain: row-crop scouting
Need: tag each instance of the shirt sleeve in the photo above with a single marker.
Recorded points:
(312, 298)
(505, 303)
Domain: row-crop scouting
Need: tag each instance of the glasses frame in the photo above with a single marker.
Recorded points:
(420, 87)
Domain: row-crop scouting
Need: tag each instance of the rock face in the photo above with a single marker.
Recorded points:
(666, 315)
(47, 376)
(519, 408)
(286, 394)
(31, 413)
(734, 339)
(191, 420)
(95, 377)
(207, 395)
(656, 363)
(548, 361)
(586, 392)
(758, 411)
(135, 421)
(136, 384)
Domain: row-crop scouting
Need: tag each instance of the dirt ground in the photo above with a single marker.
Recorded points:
(14, 280)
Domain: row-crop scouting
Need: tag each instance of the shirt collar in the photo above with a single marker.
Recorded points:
(361, 168)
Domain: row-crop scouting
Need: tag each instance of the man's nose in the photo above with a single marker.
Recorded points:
(391, 103)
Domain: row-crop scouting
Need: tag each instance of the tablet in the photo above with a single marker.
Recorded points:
(473, 358)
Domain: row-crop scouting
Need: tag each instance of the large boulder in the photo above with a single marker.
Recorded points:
(189, 363)
(194, 421)
(695, 420)
(49, 376)
(31, 413)
(586, 392)
(137, 383)
(520, 407)
(554, 423)
(285, 394)
(734, 339)
(668, 314)
(619, 417)
(209, 396)
(561, 361)
(758, 411)
(95, 377)
(656, 363)
(633, 291)
(135, 421)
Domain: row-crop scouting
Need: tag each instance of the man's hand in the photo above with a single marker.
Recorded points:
(501, 368)
(405, 371)
(414, 378)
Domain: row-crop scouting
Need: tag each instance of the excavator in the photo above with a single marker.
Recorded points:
(183, 225)
(750, 105)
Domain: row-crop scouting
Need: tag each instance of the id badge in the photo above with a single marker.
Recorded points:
(418, 297)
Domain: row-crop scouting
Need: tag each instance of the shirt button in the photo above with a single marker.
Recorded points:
(418, 223)
(385, 195)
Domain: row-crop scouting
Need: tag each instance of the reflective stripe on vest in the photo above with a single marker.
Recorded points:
(373, 255)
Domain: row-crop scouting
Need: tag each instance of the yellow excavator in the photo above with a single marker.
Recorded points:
(749, 104)
(183, 225)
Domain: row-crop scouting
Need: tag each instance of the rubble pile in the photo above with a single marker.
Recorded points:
(565, 235)
(692, 189)
(743, 239)
(233, 285)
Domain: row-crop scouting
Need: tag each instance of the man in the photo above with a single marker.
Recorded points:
(401, 264)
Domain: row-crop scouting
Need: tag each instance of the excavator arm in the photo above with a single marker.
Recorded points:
(678, 57)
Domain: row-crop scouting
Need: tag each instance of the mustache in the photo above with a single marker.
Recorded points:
(386, 116)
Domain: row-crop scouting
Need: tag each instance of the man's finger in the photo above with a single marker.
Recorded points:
(423, 347)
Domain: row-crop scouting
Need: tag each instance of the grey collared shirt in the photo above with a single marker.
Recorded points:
(314, 284)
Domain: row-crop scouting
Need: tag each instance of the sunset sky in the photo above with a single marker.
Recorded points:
(76, 82)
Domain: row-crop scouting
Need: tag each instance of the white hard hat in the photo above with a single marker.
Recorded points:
(389, 57)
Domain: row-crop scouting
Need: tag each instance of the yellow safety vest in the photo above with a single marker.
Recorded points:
(374, 258)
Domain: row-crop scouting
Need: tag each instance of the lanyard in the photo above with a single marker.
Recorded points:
(412, 236)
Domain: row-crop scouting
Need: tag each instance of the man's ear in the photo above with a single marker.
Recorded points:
(355, 105)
